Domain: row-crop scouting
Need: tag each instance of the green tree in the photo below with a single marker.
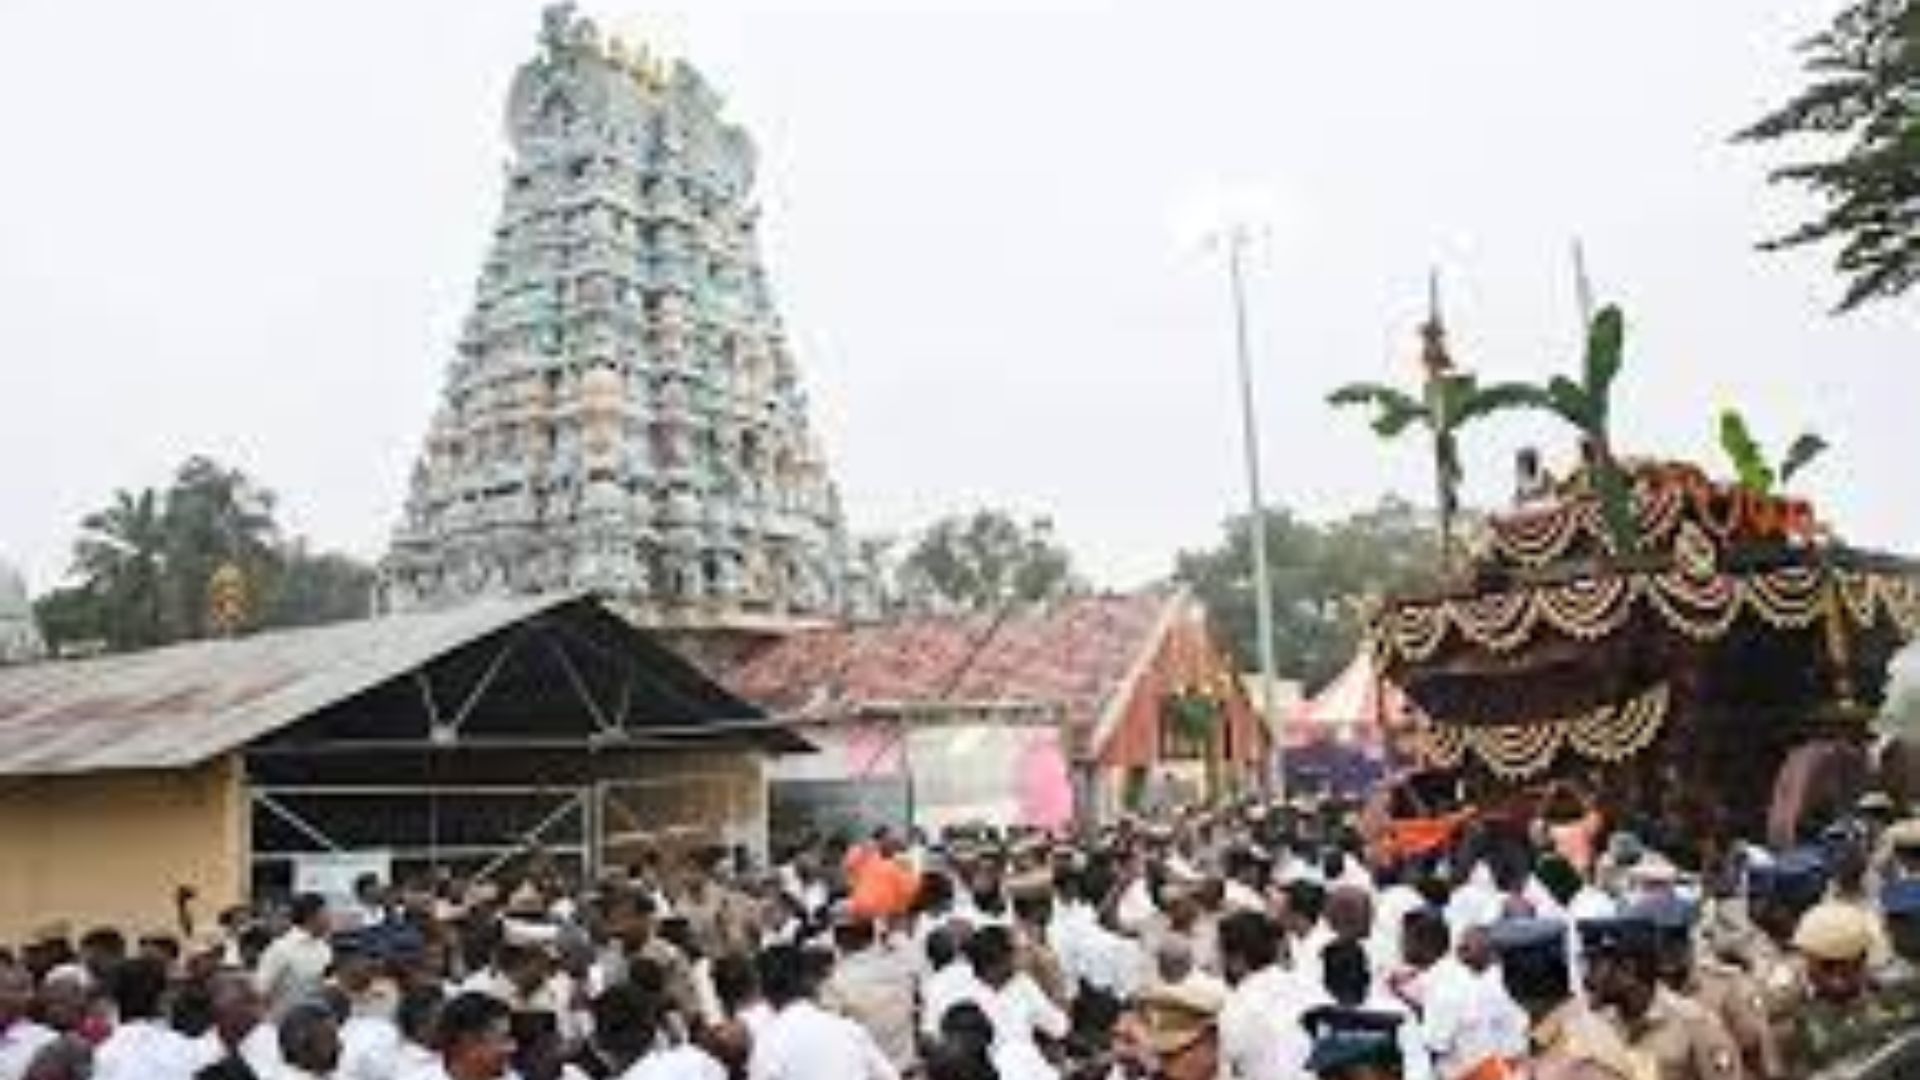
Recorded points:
(121, 560)
(72, 620)
(215, 515)
(985, 561)
(1862, 102)
(310, 588)
(1324, 578)
(142, 566)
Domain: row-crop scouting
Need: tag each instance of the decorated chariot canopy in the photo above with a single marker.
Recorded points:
(1733, 627)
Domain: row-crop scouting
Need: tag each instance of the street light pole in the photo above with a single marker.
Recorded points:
(1237, 237)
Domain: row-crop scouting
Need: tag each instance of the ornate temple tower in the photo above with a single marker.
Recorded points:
(623, 414)
(19, 634)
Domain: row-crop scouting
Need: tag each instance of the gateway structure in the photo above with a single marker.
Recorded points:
(623, 414)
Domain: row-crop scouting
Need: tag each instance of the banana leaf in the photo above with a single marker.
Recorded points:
(1749, 461)
(1804, 451)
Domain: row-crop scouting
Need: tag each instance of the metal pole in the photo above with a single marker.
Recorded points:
(1237, 238)
(1582, 288)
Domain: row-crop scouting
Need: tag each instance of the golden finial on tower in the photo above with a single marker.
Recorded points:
(227, 600)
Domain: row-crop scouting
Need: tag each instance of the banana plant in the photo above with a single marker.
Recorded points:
(1751, 463)
(1447, 401)
(1587, 405)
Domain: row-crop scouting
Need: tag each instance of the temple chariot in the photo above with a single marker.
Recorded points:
(1718, 679)
(1700, 659)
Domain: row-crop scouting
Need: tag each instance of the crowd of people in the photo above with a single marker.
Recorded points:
(1248, 943)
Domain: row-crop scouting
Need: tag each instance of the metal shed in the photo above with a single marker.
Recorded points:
(462, 739)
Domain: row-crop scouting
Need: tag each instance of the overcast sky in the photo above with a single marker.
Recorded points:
(251, 229)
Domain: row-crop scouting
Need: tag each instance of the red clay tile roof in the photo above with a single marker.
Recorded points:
(1073, 655)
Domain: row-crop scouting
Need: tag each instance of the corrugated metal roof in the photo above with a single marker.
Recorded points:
(185, 704)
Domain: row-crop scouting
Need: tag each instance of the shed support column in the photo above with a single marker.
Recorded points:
(593, 831)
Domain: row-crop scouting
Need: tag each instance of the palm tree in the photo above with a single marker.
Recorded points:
(121, 558)
(1447, 401)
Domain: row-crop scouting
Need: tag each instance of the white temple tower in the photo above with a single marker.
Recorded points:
(623, 414)
(19, 634)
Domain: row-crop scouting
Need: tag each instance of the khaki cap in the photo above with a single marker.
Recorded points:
(1178, 1014)
(1834, 932)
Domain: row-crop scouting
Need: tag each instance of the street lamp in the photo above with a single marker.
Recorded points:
(1239, 220)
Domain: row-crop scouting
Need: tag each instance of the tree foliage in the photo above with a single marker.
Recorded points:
(1324, 576)
(1861, 104)
(122, 558)
(984, 561)
(142, 565)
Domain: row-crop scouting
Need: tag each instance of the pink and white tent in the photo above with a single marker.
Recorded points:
(1359, 709)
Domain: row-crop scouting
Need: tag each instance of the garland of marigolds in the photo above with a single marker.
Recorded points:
(1608, 734)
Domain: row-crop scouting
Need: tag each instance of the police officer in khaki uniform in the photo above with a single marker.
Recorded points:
(1900, 982)
(1839, 1016)
(1683, 1040)
(1566, 1040)
(1780, 893)
(1723, 989)
(1031, 894)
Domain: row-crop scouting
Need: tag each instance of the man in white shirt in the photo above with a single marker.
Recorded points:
(369, 1047)
(239, 1028)
(949, 982)
(416, 1059)
(1137, 911)
(1021, 1012)
(804, 1041)
(629, 1040)
(523, 977)
(1349, 985)
(683, 1061)
(20, 1038)
(872, 984)
(1476, 903)
(1260, 1033)
(1093, 956)
(142, 1045)
(1391, 906)
(475, 1035)
(1463, 1017)
(369, 1036)
(1308, 933)
(309, 1043)
(294, 967)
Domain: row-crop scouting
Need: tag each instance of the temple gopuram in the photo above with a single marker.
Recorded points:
(623, 414)
(1721, 676)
